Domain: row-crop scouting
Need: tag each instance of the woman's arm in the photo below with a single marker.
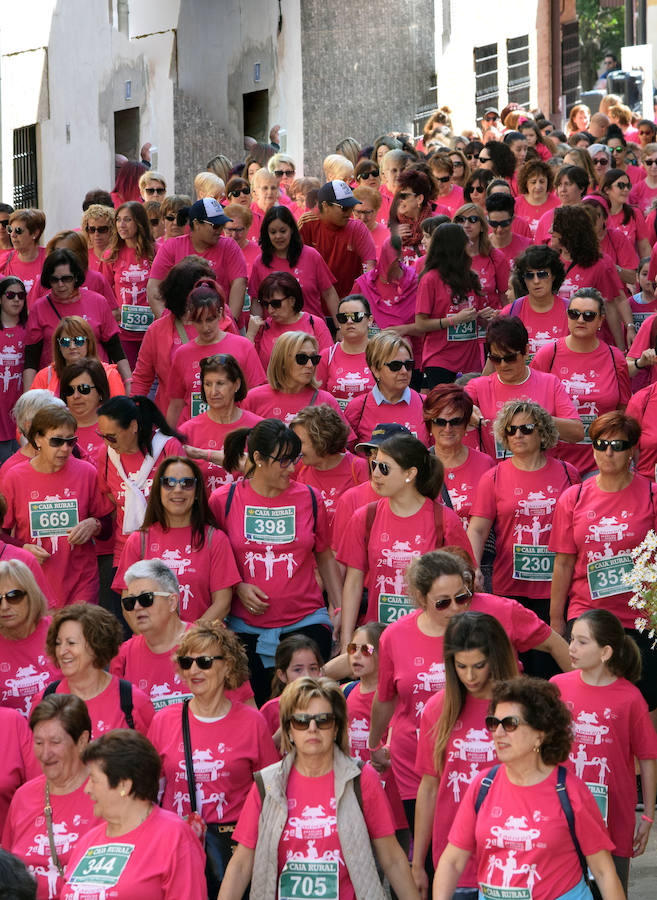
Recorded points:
(647, 358)
(570, 430)
(648, 769)
(604, 872)
(425, 809)
(173, 412)
(236, 297)
(478, 530)
(328, 569)
(394, 863)
(220, 606)
(382, 711)
(154, 297)
(331, 301)
(425, 323)
(557, 647)
(564, 566)
(238, 874)
(450, 868)
(352, 591)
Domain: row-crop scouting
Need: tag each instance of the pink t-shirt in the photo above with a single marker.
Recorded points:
(330, 484)
(611, 726)
(26, 835)
(457, 347)
(642, 342)
(641, 407)
(521, 504)
(310, 271)
(225, 753)
(28, 272)
(200, 572)
(381, 234)
(461, 482)
(311, 829)
(161, 859)
(533, 213)
(25, 669)
(310, 322)
(493, 272)
(47, 379)
(641, 308)
(270, 404)
(601, 275)
(12, 363)
(363, 414)
(518, 829)
(393, 542)
(42, 508)
(635, 230)
(105, 709)
(18, 762)
(542, 327)
(517, 245)
(225, 258)
(251, 253)
(617, 247)
(600, 528)
(9, 551)
(470, 750)
(129, 279)
(596, 382)
(278, 558)
(345, 375)
(453, 200)
(348, 503)
(185, 381)
(271, 714)
(652, 269)
(205, 434)
(543, 227)
(155, 354)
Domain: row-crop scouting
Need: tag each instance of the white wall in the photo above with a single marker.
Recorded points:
(287, 97)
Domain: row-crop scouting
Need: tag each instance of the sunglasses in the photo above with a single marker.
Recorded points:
(623, 185)
(11, 229)
(373, 174)
(650, 162)
(144, 599)
(461, 220)
(279, 173)
(587, 314)
(365, 649)
(508, 723)
(11, 295)
(302, 359)
(239, 191)
(459, 599)
(154, 222)
(471, 156)
(617, 445)
(617, 149)
(529, 428)
(541, 274)
(301, 721)
(110, 438)
(398, 364)
(477, 189)
(443, 179)
(171, 218)
(384, 468)
(601, 162)
(159, 190)
(496, 360)
(404, 195)
(642, 133)
(78, 341)
(443, 423)
(203, 662)
(62, 279)
(503, 223)
(13, 597)
(343, 318)
(285, 461)
(101, 229)
(275, 304)
(4, 223)
(458, 164)
(55, 442)
(169, 483)
(84, 389)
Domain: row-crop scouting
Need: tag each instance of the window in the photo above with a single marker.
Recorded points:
(255, 109)
(126, 132)
(25, 168)
(486, 87)
(570, 64)
(517, 61)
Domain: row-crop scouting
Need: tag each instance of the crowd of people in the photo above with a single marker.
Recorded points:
(318, 496)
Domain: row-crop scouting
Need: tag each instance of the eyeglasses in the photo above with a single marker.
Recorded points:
(459, 599)
(461, 220)
(458, 164)
(301, 721)
(279, 173)
(159, 190)
(110, 438)
(171, 218)
(4, 223)
(84, 389)
(374, 173)
(275, 304)
(203, 662)
(616, 445)
(602, 161)
(169, 483)
(145, 599)
(56, 442)
(397, 364)
(212, 225)
(384, 468)
(78, 341)
(13, 597)
(454, 423)
(541, 274)
(404, 195)
(101, 229)
(650, 162)
(623, 185)
(285, 461)
(15, 229)
(443, 179)
(496, 360)
(234, 229)
(500, 223)
(472, 156)
(508, 723)
(645, 133)
(365, 649)
(477, 189)
(302, 359)
(587, 314)
(527, 428)
(11, 295)
(62, 279)
(484, 159)
(154, 222)
(343, 318)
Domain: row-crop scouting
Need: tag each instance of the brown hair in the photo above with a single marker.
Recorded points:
(71, 326)
(299, 694)
(70, 711)
(543, 710)
(607, 631)
(126, 755)
(616, 421)
(327, 430)
(214, 636)
(50, 417)
(200, 514)
(101, 631)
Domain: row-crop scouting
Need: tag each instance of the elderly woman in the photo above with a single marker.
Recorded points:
(61, 730)
(98, 226)
(317, 771)
(169, 211)
(177, 516)
(25, 408)
(139, 850)
(82, 640)
(264, 186)
(19, 764)
(26, 258)
(218, 744)
(543, 313)
(367, 212)
(13, 318)
(535, 183)
(343, 369)
(531, 730)
(152, 186)
(283, 167)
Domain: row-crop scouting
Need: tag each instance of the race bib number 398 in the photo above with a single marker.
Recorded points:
(309, 881)
(270, 525)
(102, 865)
(52, 517)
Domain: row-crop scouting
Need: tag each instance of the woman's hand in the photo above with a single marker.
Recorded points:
(421, 879)
(380, 759)
(404, 231)
(195, 452)
(488, 313)
(477, 418)
(40, 553)
(337, 622)
(647, 358)
(255, 324)
(310, 216)
(83, 532)
(466, 315)
(253, 598)
(641, 837)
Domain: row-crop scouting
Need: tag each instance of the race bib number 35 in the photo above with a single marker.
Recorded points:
(102, 865)
(136, 318)
(605, 576)
(52, 517)
(270, 525)
(532, 563)
(309, 881)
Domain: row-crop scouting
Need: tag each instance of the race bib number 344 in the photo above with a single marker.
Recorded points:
(102, 865)
(270, 524)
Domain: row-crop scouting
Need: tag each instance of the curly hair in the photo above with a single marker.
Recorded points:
(540, 256)
(577, 235)
(543, 710)
(542, 419)
(101, 631)
(531, 169)
(327, 430)
(504, 162)
(215, 639)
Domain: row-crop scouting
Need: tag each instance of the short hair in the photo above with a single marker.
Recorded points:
(337, 167)
(124, 754)
(508, 333)
(649, 149)
(150, 175)
(70, 711)
(443, 395)
(62, 258)
(155, 570)
(327, 430)
(215, 639)
(77, 245)
(282, 357)
(368, 195)
(365, 167)
(500, 203)
(94, 368)
(207, 184)
(72, 326)
(29, 404)
(590, 293)
(299, 694)
(383, 347)
(540, 256)
(101, 630)
(543, 710)
(235, 211)
(416, 181)
(262, 175)
(542, 419)
(19, 573)
(153, 208)
(96, 197)
(357, 298)
(577, 174)
(48, 418)
(616, 421)
(425, 569)
(35, 221)
(100, 211)
(16, 880)
(173, 203)
(179, 281)
(224, 362)
(531, 169)
(279, 158)
(281, 281)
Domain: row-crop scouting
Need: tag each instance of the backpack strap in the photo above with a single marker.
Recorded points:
(439, 523)
(566, 806)
(125, 701)
(348, 688)
(229, 499)
(484, 787)
(211, 531)
(143, 543)
(554, 356)
(513, 306)
(613, 363)
(362, 409)
(314, 397)
(180, 328)
(444, 496)
(565, 468)
(369, 519)
(313, 498)
(53, 307)
(52, 687)
(189, 763)
(332, 352)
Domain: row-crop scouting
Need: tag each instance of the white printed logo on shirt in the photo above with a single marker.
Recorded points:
(28, 681)
(359, 732)
(314, 822)
(431, 681)
(269, 559)
(607, 530)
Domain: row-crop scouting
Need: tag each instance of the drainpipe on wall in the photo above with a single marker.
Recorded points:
(556, 113)
(629, 23)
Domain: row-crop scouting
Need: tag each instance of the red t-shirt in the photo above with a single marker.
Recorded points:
(344, 250)
(225, 258)
(18, 762)
(312, 324)
(330, 484)
(310, 271)
(205, 434)
(363, 415)
(345, 375)
(44, 319)
(533, 213)
(12, 363)
(542, 327)
(270, 404)
(462, 481)
(457, 347)
(641, 407)
(25, 669)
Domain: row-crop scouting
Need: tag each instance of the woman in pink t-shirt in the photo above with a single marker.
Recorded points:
(343, 369)
(296, 656)
(453, 743)
(644, 192)
(367, 211)
(543, 313)
(98, 228)
(608, 711)
(83, 388)
(491, 265)
(25, 259)
(13, 316)
(536, 197)
(616, 186)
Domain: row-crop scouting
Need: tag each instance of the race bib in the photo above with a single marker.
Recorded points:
(394, 606)
(102, 865)
(463, 331)
(501, 451)
(198, 406)
(52, 518)
(136, 318)
(532, 563)
(373, 330)
(343, 402)
(586, 422)
(247, 302)
(640, 318)
(494, 892)
(309, 881)
(605, 576)
(601, 794)
(270, 525)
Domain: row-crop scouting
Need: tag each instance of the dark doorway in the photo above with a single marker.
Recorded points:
(126, 132)
(256, 115)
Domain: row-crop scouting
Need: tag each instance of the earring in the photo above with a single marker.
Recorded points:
(537, 749)
(122, 792)
(260, 465)
(407, 480)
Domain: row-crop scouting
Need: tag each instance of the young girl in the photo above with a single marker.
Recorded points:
(453, 744)
(611, 726)
(296, 656)
(644, 303)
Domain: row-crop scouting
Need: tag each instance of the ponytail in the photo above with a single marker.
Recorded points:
(408, 452)
(125, 410)
(234, 448)
(607, 631)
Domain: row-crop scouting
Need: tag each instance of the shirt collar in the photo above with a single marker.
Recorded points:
(379, 399)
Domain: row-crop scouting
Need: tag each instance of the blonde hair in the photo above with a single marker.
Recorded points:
(206, 637)
(383, 347)
(207, 184)
(471, 209)
(97, 211)
(16, 571)
(337, 168)
(262, 175)
(369, 195)
(279, 158)
(285, 349)
(542, 419)
(149, 176)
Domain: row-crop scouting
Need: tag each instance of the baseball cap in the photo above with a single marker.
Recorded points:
(208, 210)
(337, 192)
(380, 434)
(490, 109)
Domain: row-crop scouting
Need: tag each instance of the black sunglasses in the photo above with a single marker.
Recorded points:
(275, 304)
(503, 223)
(623, 185)
(472, 156)
(10, 295)
(171, 218)
(279, 173)
(203, 662)
(60, 441)
(443, 179)
(158, 190)
(616, 445)
(237, 192)
(343, 318)
(443, 423)
(461, 220)
(62, 279)
(384, 468)
(587, 314)
(145, 599)
(528, 428)
(301, 721)
(13, 597)
(302, 359)
(154, 222)
(374, 173)
(508, 723)
(459, 599)
(4, 223)
(496, 360)
(397, 364)
(101, 229)
(84, 389)
(541, 274)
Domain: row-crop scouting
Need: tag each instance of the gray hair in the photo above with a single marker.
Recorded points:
(157, 571)
(596, 148)
(29, 404)
(546, 427)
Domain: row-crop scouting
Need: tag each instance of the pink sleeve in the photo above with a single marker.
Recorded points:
(164, 260)
(253, 370)
(364, 242)
(385, 687)
(527, 629)
(322, 531)
(325, 278)
(267, 752)
(143, 710)
(563, 405)
(562, 537)
(376, 807)
(430, 300)
(99, 504)
(246, 832)
(502, 271)
(642, 340)
(624, 386)
(117, 666)
(641, 227)
(176, 384)
(352, 548)
(322, 334)
(424, 764)
(542, 361)
(454, 532)
(234, 261)
(627, 256)
(223, 569)
(484, 503)
(144, 373)
(257, 275)
(652, 270)
(462, 832)
(130, 554)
